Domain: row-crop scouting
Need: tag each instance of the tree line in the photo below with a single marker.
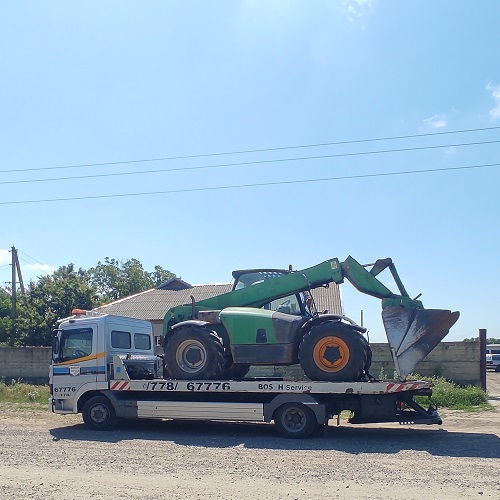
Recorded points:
(52, 297)
(489, 340)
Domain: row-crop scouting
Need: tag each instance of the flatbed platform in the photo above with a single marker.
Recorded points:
(269, 386)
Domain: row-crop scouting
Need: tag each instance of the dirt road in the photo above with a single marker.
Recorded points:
(54, 457)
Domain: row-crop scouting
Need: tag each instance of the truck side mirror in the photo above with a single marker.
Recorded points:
(55, 345)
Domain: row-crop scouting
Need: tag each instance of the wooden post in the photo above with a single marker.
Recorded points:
(14, 290)
(482, 362)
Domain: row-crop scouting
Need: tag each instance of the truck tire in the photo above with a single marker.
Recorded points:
(331, 351)
(194, 353)
(294, 420)
(99, 414)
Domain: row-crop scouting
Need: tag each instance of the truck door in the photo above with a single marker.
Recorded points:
(79, 361)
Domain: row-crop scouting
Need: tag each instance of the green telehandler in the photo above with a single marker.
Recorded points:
(269, 318)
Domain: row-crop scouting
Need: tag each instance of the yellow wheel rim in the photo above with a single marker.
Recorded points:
(331, 354)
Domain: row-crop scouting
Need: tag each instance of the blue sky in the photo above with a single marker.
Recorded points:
(86, 83)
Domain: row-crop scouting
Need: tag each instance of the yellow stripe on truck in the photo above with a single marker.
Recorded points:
(84, 358)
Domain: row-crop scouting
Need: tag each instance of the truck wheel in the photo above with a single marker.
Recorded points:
(294, 420)
(99, 414)
(234, 371)
(195, 353)
(332, 351)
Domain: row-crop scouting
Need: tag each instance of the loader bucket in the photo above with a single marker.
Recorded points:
(414, 333)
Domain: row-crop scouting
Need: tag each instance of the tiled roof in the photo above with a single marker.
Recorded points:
(153, 304)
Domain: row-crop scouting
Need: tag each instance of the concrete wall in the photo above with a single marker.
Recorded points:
(457, 361)
(31, 364)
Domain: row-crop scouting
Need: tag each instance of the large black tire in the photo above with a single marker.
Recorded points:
(334, 352)
(234, 371)
(194, 353)
(99, 414)
(295, 420)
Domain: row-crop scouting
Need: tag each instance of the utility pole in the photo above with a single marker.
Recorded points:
(15, 267)
(482, 361)
(14, 294)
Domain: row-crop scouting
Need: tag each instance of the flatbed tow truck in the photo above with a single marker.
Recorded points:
(104, 367)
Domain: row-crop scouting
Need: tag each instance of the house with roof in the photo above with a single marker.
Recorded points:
(153, 304)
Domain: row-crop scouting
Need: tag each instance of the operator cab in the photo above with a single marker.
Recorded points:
(249, 277)
(300, 304)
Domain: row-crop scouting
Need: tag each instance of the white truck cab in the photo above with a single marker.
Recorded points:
(82, 354)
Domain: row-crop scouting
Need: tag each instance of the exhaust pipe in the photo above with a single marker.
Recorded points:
(413, 333)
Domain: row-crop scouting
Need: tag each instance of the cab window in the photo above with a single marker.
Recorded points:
(75, 343)
(287, 305)
(255, 278)
(142, 341)
(121, 340)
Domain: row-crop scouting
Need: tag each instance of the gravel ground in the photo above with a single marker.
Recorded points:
(54, 457)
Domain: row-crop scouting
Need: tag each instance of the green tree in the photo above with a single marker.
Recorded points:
(160, 275)
(52, 298)
(5, 314)
(5, 304)
(489, 340)
(114, 279)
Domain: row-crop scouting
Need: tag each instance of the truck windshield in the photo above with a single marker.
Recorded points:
(75, 343)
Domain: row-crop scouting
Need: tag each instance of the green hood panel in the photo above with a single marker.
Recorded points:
(252, 326)
(243, 323)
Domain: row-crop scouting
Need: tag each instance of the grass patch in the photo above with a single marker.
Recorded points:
(446, 394)
(19, 392)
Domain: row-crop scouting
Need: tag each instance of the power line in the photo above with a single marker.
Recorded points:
(259, 184)
(255, 162)
(249, 151)
(29, 256)
(29, 263)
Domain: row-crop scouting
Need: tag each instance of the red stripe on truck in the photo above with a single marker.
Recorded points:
(119, 385)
